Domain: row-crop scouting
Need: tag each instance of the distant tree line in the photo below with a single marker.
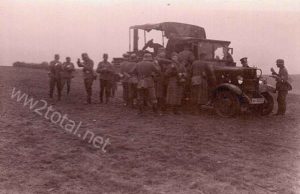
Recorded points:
(43, 65)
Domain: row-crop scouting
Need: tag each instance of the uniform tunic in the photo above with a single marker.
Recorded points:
(145, 85)
(199, 83)
(282, 86)
(88, 75)
(175, 88)
(125, 68)
(106, 78)
(67, 74)
(55, 69)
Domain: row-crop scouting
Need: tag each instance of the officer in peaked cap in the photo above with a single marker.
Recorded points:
(244, 62)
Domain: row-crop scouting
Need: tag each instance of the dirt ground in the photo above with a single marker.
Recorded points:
(185, 153)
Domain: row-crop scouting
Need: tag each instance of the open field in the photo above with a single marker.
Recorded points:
(150, 154)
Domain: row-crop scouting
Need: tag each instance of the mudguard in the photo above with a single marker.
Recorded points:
(228, 86)
(266, 88)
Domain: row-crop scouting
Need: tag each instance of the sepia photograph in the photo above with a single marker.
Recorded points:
(149, 97)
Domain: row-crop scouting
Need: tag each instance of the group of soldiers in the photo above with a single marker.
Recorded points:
(62, 73)
(158, 82)
(165, 82)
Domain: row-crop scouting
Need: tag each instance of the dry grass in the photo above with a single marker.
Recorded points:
(170, 154)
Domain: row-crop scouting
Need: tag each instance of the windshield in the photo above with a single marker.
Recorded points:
(213, 51)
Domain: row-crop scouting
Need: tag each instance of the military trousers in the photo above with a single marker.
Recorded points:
(281, 100)
(105, 88)
(126, 96)
(66, 81)
(145, 95)
(88, 83)
(55, 83)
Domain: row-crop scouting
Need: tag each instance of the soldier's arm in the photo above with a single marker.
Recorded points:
(98, 67)
(274, 72)
(72, 67)
(162, 60)
(111, 68)
(133, 70)
(79, 63)
(88, 66)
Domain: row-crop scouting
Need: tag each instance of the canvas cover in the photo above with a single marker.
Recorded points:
(177, 29)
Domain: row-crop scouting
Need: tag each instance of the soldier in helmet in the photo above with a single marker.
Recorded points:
(55, 69)
(282, 86)
(67, 74)
(88, 75)
(145, 87)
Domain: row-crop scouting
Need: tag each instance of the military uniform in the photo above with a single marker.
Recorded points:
(161, 82)
(186, 57)
(132, 84)
(199, 83)
(175, 74)
(282, 86)
(145, 86)
(55, 68)
(125, 70)
(106, 77)
(67, 75)
(88, 76)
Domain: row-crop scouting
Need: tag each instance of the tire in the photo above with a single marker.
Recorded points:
(266, 108)
(227, 104)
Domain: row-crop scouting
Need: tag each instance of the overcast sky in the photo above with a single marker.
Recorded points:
(34, 30)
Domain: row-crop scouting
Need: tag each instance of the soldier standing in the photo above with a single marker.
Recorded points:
(161, 81)
(145, 86)
(88, 75)
(176, 74)
(282, 86)
(186, 57)
(106, 76)
(132, 80)
(67, 74)
(125, 70)
(55, 76)
(199, 82)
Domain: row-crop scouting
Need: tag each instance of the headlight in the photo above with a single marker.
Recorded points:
(262, 81)
(240, 79)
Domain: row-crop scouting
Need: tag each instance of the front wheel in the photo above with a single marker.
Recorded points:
(267, 107)
(227, 103)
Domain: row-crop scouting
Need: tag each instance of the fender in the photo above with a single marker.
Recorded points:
(230, 87)
(266, 88)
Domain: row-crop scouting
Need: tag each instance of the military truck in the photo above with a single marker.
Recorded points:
(234, 89)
